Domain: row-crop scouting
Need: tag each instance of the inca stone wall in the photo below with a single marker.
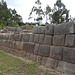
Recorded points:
(52, 45)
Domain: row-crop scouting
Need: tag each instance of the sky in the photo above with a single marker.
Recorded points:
(23, 7)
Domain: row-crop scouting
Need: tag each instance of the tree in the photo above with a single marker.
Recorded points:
(7, 15)
(47, 13)
(37, 10)
(59, 13)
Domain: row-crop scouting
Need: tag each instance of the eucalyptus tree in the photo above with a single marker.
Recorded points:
(37, 12)
(59, 13)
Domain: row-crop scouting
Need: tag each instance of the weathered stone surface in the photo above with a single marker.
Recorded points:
(31, 38)
(28, 47)
(66, 67)
(39, 58)
(6, 36)
(64, 28)
(1, 36)
(41, 38)
(16, 37)
(56, 52)
(26, 37)
(36, 38)
(49, 30)
(44, 50)
(58, 40)
(36, 49)
(41, 29)
(28, 55)
(69, 55)
(43, 61)
(33, 57)
(35, 29)
(51, 62)
(21, 53)
(48, 39)
(70, 41)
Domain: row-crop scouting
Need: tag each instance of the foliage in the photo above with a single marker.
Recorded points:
(38, 11)
(59, 13)
(8, 16)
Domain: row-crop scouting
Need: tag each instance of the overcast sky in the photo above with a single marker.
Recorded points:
(23, 7)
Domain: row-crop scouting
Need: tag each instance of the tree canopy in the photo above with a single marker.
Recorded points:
(8, 16)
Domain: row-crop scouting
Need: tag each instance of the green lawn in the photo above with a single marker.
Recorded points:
(10, 65)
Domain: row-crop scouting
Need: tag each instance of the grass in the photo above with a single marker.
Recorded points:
(10, 65)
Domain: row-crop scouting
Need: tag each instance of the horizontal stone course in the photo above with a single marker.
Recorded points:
(64, 28)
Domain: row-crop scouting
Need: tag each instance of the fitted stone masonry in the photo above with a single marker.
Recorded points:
(52, 45)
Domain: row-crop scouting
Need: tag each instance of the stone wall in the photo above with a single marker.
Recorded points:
(52, 45)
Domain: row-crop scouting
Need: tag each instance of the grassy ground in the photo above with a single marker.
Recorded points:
(14, 65)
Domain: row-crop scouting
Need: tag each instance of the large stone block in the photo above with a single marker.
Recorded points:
(58, 40)
(49, 29)
(28, 47)
(41, 38)
(48, 39)
(51, 62)
(26, 37)
(43, 61)
(41, 29)
(31, 38)
(56, 52)
(44, 50)
(1, 36)
(16, 37)
(69, 55)
(36, 38)
(70, 41)
(66, 67)
(35, 29)
(7, 36)
(64, 28)
(36, 49)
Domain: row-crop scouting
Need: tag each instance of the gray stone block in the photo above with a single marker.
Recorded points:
(26, 37)
(69, 55)
(66, 67)
(36, 49)
(56, 52)
(70, 41)
(58, 40)
(31, 38)
(36, 38)
(28, 47)
(64, 28)
(41, 29)
(16, 37)
(35, 29)
(43, 61)
(44, 50)
(51, 62)
(48, 39)
(41, 38)
(49, 29)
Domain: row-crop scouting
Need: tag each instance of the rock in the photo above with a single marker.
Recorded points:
(44, 50)
(48, 40)
(49, 29)
(51, 62)
(58, 40)
(31, 38)
(36, 38)
(43, 61)
(66, 67)
(69, 55)
(64, 28)
(36, 49)
(41, 38)
(35, 30)
(70, 41)
(41, 30)
(26, 37)
(56, 52)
